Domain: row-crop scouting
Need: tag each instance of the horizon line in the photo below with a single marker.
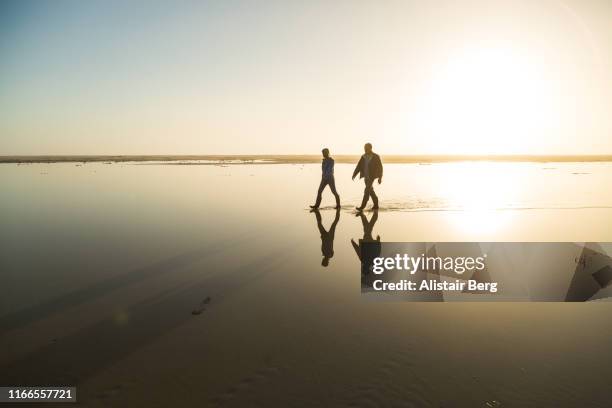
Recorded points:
(306, 158)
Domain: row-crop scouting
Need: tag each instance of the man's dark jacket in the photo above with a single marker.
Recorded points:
(375, 169)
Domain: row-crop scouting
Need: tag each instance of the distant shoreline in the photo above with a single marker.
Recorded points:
(288, 159)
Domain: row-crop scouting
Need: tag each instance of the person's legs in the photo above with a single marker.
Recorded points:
(373, 195)
(320, 192)
(366, 192)
(332, 187)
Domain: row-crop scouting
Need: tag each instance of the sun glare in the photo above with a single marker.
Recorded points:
(487, 101)
(483, 193)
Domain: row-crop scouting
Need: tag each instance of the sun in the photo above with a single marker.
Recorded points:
(487, 100)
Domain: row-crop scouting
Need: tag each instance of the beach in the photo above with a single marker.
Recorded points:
(156, 284)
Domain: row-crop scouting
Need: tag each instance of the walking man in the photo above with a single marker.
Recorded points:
(369, 168)
(327, 178)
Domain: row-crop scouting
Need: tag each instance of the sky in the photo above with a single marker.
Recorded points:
(291, 77)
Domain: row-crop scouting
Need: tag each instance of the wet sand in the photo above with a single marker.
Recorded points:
(103, 267)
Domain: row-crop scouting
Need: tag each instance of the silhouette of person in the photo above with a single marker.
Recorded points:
(369, 168)
(327, 237)
(327, 178)
(368, 248)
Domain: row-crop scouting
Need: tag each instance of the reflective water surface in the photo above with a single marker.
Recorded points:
(173, 284)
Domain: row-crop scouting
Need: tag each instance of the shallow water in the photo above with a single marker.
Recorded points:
(103, 264)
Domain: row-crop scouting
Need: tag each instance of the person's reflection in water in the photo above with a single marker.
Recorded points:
(367, 253)
(327, 237)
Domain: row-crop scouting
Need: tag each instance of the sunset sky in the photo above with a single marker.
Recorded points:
(256, 77)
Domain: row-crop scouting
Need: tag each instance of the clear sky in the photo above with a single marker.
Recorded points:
(248, 77)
